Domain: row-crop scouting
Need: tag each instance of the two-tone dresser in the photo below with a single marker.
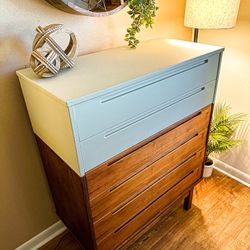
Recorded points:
(123, 135)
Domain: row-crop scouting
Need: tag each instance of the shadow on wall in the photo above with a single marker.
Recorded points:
(24, 195)
(12, 54)
(242, 150)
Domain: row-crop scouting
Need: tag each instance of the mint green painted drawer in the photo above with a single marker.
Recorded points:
(99, 114)
(113, 141)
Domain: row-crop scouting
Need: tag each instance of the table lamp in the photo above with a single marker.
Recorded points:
(210, 14)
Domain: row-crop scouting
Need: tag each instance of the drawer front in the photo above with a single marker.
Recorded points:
(104, 112)
(122, 223)
(127, 190)
(111, 174)
(107, 144)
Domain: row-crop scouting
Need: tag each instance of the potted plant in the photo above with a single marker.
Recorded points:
(221, 134)
(142, 13)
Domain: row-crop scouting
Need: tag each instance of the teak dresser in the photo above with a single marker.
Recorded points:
(123, 135)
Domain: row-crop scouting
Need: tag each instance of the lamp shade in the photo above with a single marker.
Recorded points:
(211, 14)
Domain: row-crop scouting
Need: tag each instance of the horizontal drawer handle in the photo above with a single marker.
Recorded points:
(153, 111)
(149, 82)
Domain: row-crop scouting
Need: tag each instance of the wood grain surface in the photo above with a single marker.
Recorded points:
(218, 220)
(144, 217)
(69, 194)
(128, 189)
(123, 214)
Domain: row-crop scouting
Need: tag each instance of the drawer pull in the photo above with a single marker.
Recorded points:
(154, 111)
(149, 82)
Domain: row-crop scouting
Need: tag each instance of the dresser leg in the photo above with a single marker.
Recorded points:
(188, 200)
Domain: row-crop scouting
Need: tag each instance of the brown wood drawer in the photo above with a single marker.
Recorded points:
(120, 216)
(124, 230)
(116, 171)
(127, 190)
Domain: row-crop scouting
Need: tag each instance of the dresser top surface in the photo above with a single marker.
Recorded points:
(98, 71)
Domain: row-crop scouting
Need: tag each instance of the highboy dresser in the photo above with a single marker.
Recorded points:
(123, 135)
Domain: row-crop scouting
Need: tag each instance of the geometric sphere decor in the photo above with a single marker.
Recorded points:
(47, 56)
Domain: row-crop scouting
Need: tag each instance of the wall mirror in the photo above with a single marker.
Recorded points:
(89, 7)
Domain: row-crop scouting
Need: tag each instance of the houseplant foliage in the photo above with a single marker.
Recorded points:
(142, 13)
(222, 130)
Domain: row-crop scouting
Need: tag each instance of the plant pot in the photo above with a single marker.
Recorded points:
(208, 169)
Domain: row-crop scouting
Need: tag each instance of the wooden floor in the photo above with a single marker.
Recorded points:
(219, 219)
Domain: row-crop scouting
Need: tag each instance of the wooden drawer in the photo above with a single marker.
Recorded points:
(126, 190)
(110, 143)
(118, 225)
(104, 112)
(112, 173)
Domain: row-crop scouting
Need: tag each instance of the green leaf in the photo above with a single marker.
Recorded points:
(142, 13)
(222, 129)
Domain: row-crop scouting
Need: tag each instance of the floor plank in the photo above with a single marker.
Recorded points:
(218, 220)
(65, 241)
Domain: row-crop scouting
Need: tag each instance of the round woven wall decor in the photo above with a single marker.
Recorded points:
(90, 7)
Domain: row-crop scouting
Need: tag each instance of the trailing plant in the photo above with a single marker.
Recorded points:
(222, 130)
(142, 13)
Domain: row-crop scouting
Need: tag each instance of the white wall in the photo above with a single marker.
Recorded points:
(234, 84)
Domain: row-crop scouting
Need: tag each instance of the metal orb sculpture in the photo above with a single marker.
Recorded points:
(47, 56)
(90, 7)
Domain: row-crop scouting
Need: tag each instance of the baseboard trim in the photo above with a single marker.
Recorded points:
(43, 237)
(232, 172)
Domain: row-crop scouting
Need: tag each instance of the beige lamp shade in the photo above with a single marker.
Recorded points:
(211, 14)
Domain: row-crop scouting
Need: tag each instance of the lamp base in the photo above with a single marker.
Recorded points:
(195, 35)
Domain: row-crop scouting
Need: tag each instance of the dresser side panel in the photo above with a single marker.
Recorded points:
(218, 75)
(50, 121)
(70, 195)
